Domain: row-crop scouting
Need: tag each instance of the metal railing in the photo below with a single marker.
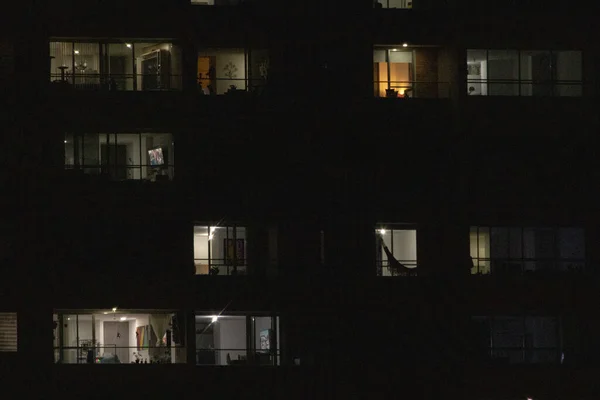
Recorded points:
(384, 268)
(237, 357)
(524, 355)
(113, 354)
(522, 87)
(124, 172)
(230, 86)
(412, 89)
(117, 82)
(519, 266)
(214, 266)
(406, 4)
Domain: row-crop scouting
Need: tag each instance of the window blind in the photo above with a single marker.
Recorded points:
(8, 332)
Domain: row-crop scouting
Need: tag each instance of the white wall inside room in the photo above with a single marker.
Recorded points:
(503, 65)
(230, 334)
(403, 245)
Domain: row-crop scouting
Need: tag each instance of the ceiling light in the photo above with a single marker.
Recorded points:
(404, 44)
(114, 309)
(382, 231)
(214, 318)
(394, 49)
(76, 51)
(106, 313)
(123, 318)
(128, 45)
(68, 319)
(65, 141)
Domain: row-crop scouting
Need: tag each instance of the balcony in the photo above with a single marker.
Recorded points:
(405, 72)
(513, 251)
(220, 250)
(121, 156)
(118, 337)
(115, 66)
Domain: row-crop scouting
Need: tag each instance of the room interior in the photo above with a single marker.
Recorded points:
(125, 156)
(402, 243)
(516, 249)
(219, 69)
(224, 340)
(524, 73)
(118, 66)
(118, 337)
(393, 72)
(220, 250)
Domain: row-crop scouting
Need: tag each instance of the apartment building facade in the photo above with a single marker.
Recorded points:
(300, 200)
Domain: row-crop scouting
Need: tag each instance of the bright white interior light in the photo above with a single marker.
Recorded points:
(114, 309)
(394, 49)
(214, 318)
(128, 45)
(382, 231)
(404, 44)
(123, 318)
(106, 313)
(65, 141)
(76, 51)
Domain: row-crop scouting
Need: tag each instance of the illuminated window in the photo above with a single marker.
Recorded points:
(220, 250)
(395, 250)
(512, 250)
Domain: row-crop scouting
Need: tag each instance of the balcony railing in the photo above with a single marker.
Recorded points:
(508, 267)
(414, 89)
(236, 357)
(230, 86)
(220, 267)
(521, 355)
(515, 87)
(113, 354)
(408, 268)
(117, 82)
(406, 4)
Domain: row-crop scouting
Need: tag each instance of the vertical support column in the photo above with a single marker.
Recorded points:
(190, 336)
(189, 67)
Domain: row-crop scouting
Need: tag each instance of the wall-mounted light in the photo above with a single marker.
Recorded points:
(214, 318)
(123, 318)
(76, 51)
(128, 45)
(394, 49)
(114, 309)
(382, 231)
(404, 44)
(65, 141)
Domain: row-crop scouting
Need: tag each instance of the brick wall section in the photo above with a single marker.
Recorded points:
(426, 73)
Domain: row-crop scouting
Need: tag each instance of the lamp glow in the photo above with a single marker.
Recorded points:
(404, 44)
(76, 51)
(123, 318)
(128, 45)
(214, 318)
(382, 231)
(114, 309)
